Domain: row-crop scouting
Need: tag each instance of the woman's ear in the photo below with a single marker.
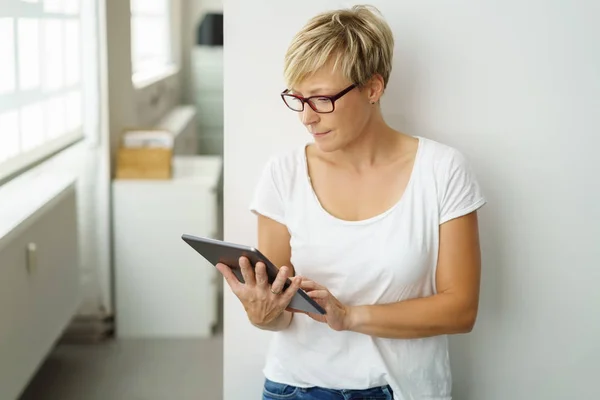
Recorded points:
(375, 88)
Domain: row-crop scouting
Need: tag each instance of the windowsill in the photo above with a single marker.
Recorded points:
(144, 79)
(23, 196)
(12, 169)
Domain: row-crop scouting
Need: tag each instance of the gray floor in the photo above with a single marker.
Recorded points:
(178, 369)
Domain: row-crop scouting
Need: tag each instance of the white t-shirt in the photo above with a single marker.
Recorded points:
(387, 258)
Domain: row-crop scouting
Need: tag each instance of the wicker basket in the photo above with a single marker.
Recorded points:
(144, 163)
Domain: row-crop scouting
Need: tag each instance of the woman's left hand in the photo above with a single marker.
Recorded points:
(338, 314)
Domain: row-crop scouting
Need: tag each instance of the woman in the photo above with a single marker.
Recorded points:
(379, 227)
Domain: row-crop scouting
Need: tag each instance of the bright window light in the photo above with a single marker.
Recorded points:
(53, 54)
(29, 53)
(150, 36)
(55, 117)
(32, 126)
(71, 7)
(53, 6)
(42, 72)
(150, 39)
(9, 135)
(156, 7)
(74, 111)
(7, 56)
(72, 52)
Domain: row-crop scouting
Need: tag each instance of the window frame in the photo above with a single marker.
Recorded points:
(17, 99)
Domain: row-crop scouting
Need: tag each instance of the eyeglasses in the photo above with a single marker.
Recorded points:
(319, 104)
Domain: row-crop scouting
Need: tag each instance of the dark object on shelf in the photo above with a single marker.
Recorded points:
(210, 30)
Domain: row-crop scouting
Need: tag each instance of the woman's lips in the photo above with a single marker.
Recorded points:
(319, 134)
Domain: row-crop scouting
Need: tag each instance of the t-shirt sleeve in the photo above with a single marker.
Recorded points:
(461, 192)
(267, 198)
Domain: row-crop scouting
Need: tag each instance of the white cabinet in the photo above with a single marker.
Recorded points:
(162, 287)
(39, 279)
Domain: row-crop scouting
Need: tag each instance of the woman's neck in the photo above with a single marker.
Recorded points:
(377, 144)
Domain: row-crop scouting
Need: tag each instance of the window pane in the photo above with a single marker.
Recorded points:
(149, 6)
(53, 6)
(29, 53)
(71, 7)
(9, 135)
(7, 55)
(32, 126)
(74, 111)
(30, 1)
(72, 52)
(53, 54)
(150, 38)
(55, 117)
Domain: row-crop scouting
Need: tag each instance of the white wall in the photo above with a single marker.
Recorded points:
(515, 85)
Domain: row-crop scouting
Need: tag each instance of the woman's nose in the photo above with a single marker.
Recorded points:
(309, 116)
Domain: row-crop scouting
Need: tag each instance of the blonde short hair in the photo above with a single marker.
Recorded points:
(358, 39)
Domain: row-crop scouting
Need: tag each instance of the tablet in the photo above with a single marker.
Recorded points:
(217, 251)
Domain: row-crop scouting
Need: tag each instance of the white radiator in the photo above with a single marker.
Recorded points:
(39, 278)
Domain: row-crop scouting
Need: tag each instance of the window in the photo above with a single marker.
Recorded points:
(41, 107)
(151, 52)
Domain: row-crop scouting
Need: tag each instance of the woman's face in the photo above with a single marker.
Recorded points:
(352, 114)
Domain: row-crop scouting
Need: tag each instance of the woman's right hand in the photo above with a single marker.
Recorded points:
(264, 303)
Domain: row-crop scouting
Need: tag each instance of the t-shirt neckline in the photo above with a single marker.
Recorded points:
(374, 218)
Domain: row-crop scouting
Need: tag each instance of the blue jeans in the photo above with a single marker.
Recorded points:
(278, 391)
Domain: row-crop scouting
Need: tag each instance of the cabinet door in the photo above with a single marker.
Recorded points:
(164, 288)
(38, 289)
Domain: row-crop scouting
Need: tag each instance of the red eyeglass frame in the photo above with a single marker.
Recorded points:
(307, 100)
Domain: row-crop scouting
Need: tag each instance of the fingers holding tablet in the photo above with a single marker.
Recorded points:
(262, 280)
(291, 290)
(230, 277)
(247, 271)
(255, 280)
(282, 275)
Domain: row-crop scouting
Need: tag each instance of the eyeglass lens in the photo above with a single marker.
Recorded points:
(319, 104)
